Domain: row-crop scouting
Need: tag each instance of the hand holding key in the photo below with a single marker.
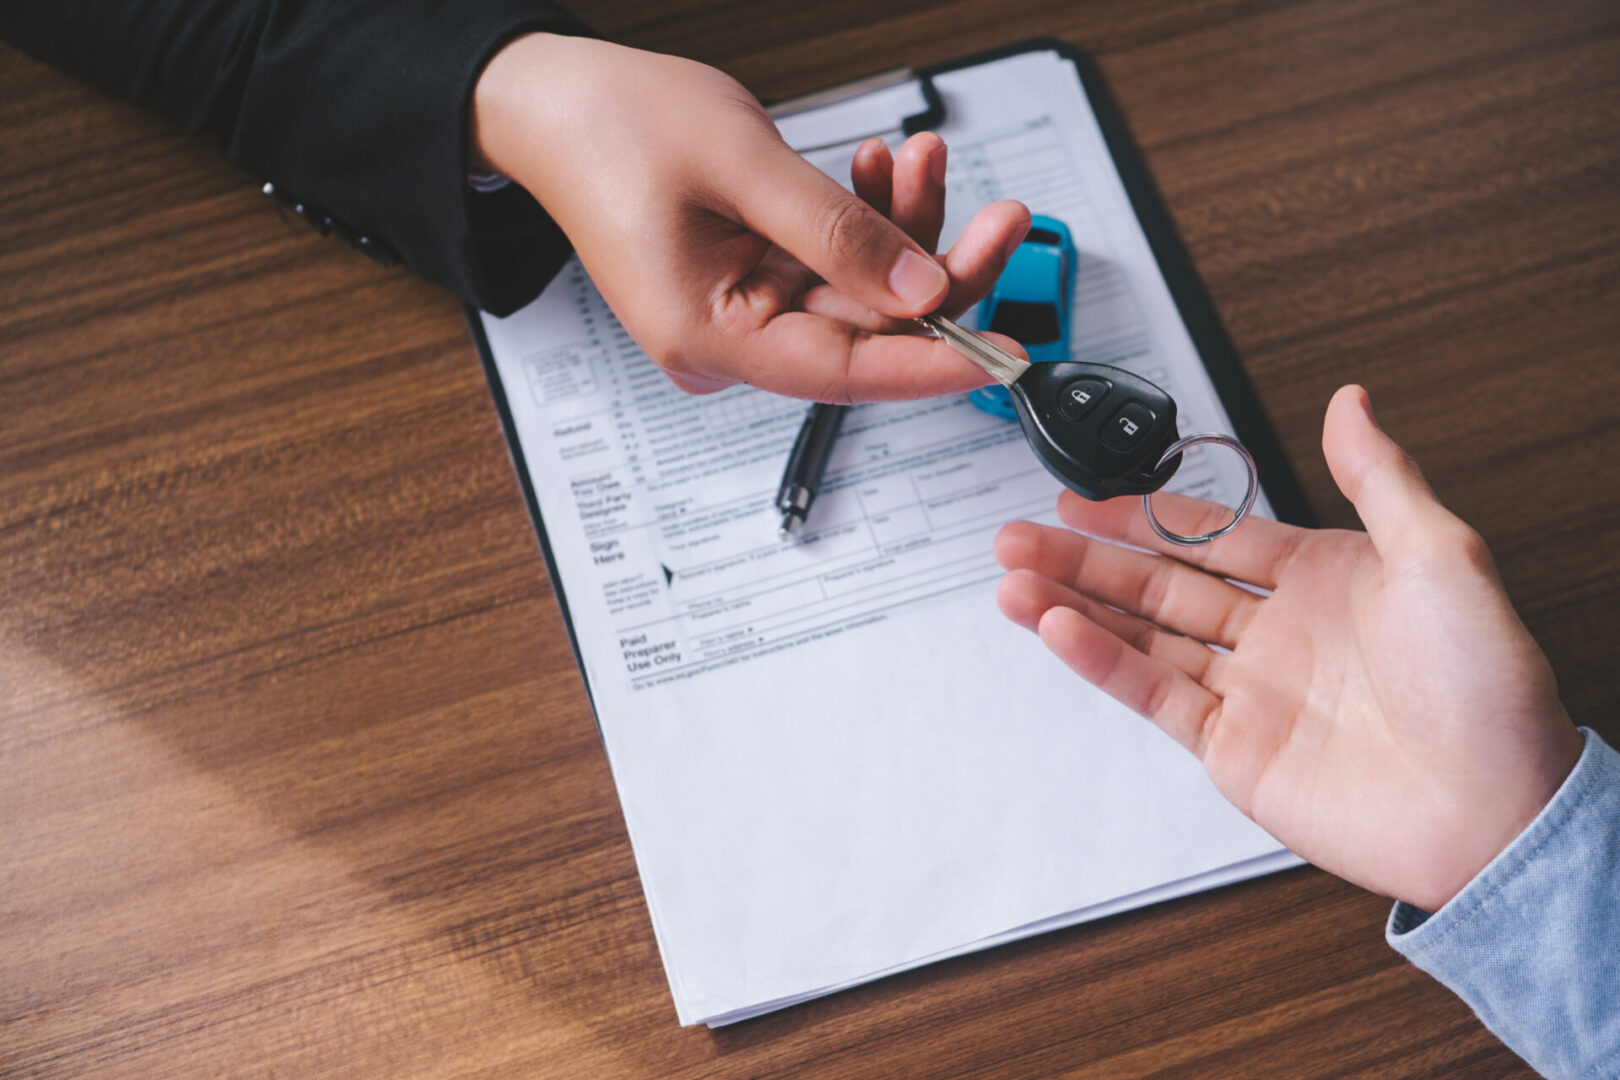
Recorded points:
(727, 256)
(1383, 711)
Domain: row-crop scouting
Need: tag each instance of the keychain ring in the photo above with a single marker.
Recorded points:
(1242, 511)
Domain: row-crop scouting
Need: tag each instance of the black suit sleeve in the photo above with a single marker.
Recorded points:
(358, 110)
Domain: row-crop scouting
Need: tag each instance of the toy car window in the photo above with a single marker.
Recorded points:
(1026, 323)
(1042, 236)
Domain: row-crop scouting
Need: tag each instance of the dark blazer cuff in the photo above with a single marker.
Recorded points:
(363, 122)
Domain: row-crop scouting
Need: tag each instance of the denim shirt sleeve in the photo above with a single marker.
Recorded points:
(1532, 944)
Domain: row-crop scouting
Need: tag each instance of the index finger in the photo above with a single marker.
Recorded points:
(1255, 552)
(804, 355)
(848, 244)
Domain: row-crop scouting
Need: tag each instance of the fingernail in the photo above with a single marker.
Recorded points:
(1366, 407)
(916, 279)
(936, 165)
(1017, 238)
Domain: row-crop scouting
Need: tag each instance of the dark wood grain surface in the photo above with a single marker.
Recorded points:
(297, 776)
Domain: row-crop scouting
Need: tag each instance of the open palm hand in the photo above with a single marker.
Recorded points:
(1381, 709)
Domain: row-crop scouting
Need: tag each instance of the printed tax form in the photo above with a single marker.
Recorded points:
(836, 759)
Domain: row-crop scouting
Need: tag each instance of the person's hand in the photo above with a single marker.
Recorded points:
(728, 257)
(1383, 712)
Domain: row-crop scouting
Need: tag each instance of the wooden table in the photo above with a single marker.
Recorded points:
(298, 776)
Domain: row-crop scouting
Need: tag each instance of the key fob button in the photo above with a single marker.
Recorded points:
(1127, 428)
(1080, 397)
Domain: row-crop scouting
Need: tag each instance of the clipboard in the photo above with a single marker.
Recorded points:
(927, 110)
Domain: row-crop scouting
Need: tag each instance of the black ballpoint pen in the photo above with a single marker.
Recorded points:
(802, 477)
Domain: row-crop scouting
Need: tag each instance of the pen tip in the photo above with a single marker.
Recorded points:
(790, 525)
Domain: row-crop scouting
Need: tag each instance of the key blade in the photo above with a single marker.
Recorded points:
(1001, 365)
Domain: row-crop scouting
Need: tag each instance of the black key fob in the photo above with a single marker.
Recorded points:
(1100, 430)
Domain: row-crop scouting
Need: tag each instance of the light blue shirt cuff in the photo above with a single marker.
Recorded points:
(1532, 944)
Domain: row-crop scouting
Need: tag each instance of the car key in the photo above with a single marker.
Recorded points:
(1102, 431)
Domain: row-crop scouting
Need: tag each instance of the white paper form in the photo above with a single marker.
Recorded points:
(835, 758)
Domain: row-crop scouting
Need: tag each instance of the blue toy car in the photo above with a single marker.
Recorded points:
(1030, 303)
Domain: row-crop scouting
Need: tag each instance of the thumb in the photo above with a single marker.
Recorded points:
(842, 239)
(1396, 505)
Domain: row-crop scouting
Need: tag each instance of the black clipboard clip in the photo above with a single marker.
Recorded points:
(932, 115)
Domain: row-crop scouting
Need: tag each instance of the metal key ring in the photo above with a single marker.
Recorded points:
(1242, 511)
